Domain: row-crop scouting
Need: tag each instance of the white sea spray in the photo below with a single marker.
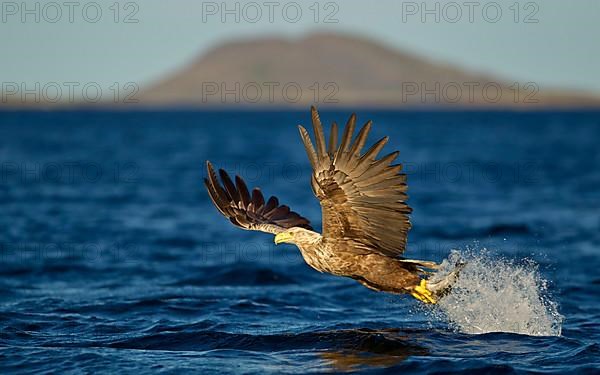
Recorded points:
(498, 295)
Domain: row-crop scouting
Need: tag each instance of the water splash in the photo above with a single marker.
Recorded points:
(498, 295)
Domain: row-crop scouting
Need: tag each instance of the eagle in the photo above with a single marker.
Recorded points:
(365, 217)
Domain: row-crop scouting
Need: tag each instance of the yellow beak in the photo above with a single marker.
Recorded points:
(282, 237)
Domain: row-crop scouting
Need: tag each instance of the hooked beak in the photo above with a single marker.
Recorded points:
(282, 237)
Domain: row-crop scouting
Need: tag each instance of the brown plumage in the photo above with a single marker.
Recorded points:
(248, 211)
(365, 215)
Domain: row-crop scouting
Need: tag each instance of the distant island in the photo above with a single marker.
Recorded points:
(337, 70)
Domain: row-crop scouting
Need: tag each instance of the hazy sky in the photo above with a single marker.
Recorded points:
(555, 43)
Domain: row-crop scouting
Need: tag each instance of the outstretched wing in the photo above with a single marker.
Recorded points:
(363, 199)
(249, 211)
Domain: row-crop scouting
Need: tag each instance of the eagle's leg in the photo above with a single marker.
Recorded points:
(428, 291)
(423, 294)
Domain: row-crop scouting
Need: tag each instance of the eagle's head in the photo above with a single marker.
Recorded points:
(297, 236)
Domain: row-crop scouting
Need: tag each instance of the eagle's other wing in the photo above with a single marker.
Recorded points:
(363, 199)
(249, 211)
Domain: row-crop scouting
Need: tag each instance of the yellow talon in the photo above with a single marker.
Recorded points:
(423, 294)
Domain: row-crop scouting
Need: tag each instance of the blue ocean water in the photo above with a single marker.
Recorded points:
(113, 259)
